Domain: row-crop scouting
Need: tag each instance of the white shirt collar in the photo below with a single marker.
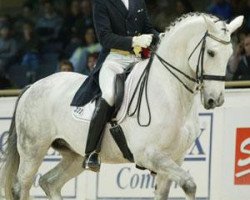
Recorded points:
(126, 3)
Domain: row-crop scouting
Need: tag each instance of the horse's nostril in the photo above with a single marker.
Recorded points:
(211, 102)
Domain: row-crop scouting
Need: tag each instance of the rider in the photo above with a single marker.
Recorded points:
(122, 27)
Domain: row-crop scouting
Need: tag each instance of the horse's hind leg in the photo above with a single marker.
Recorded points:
(69, 167)
(30, 160)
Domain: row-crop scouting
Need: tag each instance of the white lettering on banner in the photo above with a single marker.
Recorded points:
(244, 162)
(126, 182)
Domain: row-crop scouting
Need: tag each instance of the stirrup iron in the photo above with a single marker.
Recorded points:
(92, 162)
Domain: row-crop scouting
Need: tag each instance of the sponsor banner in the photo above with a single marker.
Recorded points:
(235, 174)
(242, 157)
(127, 182)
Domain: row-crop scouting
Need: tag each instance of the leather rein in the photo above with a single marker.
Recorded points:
(200, 76)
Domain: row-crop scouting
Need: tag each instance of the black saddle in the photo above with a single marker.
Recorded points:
(120, 88)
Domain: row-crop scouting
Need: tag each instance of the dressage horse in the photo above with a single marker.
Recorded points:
(190, 60)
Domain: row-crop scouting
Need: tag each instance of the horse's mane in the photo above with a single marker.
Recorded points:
(187, 16)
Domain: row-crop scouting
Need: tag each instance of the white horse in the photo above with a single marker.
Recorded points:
(43, 116)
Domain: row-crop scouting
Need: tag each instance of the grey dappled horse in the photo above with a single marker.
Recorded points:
(198, 45)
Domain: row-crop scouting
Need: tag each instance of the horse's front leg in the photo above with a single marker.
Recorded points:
(164, 166)
(162, 187)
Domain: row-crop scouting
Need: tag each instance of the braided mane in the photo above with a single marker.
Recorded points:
(189, 15)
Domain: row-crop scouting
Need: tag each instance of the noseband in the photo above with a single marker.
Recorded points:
(200, 76)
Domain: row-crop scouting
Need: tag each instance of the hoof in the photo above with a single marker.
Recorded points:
(189, 187)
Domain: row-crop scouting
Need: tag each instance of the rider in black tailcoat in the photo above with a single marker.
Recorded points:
(115, 27)
(121, 26)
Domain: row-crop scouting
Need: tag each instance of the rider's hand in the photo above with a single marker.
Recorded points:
(143, 41)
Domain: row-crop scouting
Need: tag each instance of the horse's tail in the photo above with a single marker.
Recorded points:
(9, 159)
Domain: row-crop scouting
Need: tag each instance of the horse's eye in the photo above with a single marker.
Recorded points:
(211, 53)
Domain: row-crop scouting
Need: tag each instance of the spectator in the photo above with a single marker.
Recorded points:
(221, 9)
(86, 10)
(49, 25)
(8, 49)
(183, 7)
(74, 43)
(4, 83)
(30, 46)
(61, 6)
(65, 66)
(241, 59)
(160, 12)
(56, 38)
(90, 45)
(86, 19)
(71, 37)
(246, 13)
(72, 17)
(27, 14)
(4, 19)
(91, 62)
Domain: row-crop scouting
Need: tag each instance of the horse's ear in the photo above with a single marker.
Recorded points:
(235, 24)
(211, 27)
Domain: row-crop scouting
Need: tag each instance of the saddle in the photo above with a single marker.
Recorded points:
(120, 88)
(84, 113)
(123, 90)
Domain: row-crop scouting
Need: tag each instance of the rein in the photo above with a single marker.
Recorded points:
(199, 67)
(142, 85)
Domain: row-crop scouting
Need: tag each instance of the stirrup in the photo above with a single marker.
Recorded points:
(92, 162)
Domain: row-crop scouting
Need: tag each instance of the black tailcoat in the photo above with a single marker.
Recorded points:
(115, 27)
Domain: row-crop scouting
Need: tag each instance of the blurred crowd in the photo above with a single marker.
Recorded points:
(47, 36)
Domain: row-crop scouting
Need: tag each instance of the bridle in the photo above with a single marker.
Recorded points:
(142, 85)
(200, 76)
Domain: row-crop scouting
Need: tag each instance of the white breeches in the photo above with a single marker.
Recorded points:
(113, 65)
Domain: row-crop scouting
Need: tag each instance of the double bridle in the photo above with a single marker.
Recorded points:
(200, 76)
(142, 84)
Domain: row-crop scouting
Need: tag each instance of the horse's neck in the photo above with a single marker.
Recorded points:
(173, 50)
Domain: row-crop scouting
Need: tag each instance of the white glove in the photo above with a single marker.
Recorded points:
(143, 41)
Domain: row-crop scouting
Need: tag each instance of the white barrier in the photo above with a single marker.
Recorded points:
(219, 160)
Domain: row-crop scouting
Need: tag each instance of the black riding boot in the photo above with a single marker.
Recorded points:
(101, 116)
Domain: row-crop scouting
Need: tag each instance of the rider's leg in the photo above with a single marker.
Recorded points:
(101, 116)
(107, 80)
(102, 113)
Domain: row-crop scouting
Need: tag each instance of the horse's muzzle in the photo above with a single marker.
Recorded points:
(211, 102)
